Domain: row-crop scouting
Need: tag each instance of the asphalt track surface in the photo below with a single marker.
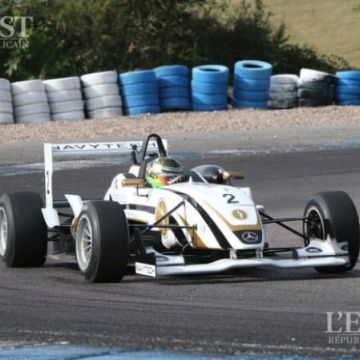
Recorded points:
(270, 310)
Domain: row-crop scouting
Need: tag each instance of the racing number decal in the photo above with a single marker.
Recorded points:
(231, 198)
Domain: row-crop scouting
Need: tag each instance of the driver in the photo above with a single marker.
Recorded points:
(162, 171)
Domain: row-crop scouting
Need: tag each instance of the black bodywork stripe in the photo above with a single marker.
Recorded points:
(177, 231)
(213, 227)
(149, 209)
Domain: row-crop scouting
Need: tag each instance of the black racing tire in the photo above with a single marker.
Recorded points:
(26, 232)
(333, 213)
(302, 102)
(311, 94)
(283, 95)
(282, 103)
(105, 224)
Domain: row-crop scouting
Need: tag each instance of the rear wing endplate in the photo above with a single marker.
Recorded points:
(66, 150)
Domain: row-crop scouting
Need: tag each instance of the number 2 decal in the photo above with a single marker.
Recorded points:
(231, 198)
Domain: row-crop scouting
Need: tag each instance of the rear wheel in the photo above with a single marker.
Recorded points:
(23, 232)
(333, 213)
(102, 239)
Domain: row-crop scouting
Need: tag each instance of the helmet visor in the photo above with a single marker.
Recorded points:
(161, 180)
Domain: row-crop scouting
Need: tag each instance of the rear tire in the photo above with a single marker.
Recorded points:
(333, 213)
(23, 232)
(102, 239)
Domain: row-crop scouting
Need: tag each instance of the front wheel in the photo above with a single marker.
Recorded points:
(333, 214)
(23, 232)
(101, 241)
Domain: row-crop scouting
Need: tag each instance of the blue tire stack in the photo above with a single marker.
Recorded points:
(209, 87)
(140, 93)
(347, 89)
(174, 87)
(251, 84)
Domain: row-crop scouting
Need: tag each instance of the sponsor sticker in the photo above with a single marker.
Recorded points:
(240, 214)
(313, 249)
(122, 146)
(145, 269)
(249, 237)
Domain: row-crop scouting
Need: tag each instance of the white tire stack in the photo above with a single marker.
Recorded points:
(315, 88)
(30, 102)
(6, 106)
(102, 95)
(65, 98)
(283, 91)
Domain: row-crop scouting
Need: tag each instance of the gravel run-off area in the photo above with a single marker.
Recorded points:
(183, 122)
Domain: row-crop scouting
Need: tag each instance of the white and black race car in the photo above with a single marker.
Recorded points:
(199, 224)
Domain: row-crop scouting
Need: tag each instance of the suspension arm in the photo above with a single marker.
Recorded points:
(282, 220)
(271, 220)
(149, 227)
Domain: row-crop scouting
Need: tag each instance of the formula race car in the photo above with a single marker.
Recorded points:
(194, 222)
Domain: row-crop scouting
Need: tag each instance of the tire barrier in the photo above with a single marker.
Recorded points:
(251, 84)
(283, 91)
(315, 88)
(250, 104)
(6, 106)
(347, 89)
(65, 98)
(315, 75)
(99, 78)
(30, 102)
(96, 91)
(140, 92)
(109, 112)
(173, 95)
(102, 96)
(169, 88)
(209, 87)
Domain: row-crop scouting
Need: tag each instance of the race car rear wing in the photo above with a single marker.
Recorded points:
(92, 149)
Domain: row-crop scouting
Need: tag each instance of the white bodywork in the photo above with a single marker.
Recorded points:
(210, 217)
(210, 197)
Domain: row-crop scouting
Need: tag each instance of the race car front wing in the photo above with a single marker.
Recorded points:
(317, 253)
(222, 265)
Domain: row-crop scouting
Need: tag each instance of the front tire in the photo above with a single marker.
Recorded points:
(333, 213)
(23, 232)
(101, 242)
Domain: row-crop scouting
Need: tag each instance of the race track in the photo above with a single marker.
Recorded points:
(250, 310)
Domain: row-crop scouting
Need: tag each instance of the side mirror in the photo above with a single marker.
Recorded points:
(233, 175)
(133, 182)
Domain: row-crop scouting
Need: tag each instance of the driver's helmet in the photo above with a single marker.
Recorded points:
(162, 171)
